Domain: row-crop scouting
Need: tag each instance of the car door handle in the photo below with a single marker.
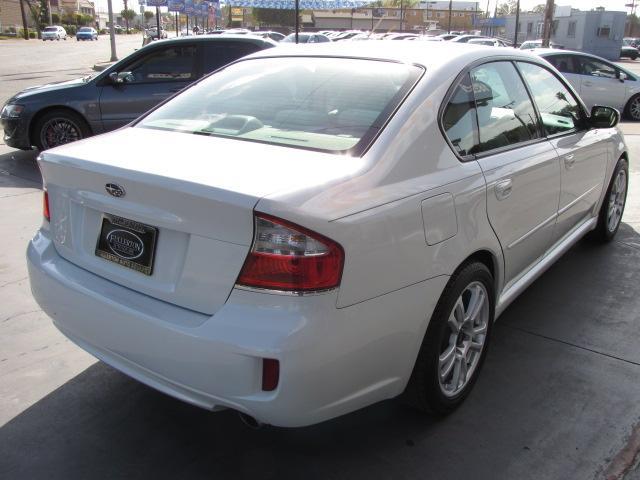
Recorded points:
(569, 160)
(503, 189)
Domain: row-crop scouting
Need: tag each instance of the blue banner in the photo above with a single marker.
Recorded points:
(188, 7)
(176, 6)
(304, 4)
(157, 3)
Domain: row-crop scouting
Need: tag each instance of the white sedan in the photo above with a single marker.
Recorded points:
(310, 231)
(598, 81)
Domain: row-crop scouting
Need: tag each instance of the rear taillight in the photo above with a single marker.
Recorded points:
(45, 206)
(285, 256)
(270, 374)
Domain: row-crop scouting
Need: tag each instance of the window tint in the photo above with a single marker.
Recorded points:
(459, 119)
(217, 55)
(596, 68)
(505, 112)
(558, 108)
(164, 65)
(327, 104)
(564, 63)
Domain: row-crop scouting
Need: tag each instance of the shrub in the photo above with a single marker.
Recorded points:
(33, 35)
(55, 18)
(71, 29)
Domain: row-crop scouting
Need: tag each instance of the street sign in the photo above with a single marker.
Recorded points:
(157, 3)
(188, 7)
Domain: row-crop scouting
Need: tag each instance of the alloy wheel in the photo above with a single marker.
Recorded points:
(59, 131)
(634, 108)
(617, 198)
(464, 339)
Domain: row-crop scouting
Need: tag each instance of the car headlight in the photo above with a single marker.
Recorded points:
(11, 111)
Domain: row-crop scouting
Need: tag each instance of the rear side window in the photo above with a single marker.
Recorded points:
(506, 115)
(217, 55)
(564, 63)
(558, 108)
(459, 119)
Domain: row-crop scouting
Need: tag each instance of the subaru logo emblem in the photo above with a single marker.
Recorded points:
(114, 190)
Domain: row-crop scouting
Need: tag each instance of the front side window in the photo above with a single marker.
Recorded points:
(506, 115)
(164, 65)
(219, 54)
(558, 108)
(596, 68)
(459, 119)
(326, 104)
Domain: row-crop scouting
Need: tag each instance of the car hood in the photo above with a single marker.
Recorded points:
(49, 87)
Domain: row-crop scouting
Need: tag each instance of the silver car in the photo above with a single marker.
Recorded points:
(598, 81)
(309, 231)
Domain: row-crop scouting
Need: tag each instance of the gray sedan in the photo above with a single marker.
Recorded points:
(54, 114)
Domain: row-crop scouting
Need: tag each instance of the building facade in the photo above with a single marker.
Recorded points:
(598, 31)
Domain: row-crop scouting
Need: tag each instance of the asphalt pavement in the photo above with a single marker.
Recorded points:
(558, 397)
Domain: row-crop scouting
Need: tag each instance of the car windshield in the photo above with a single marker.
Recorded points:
(302, 38)
(326, 104)
(51, 29)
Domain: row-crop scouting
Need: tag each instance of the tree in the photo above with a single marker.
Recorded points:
(128, 15)
(148, 16)
(538, 8)
(274, 17)
(126, 20)
(507, 8)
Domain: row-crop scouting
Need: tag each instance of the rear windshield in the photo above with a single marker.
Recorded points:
(51, 29)
(326, 104)
(85, 29)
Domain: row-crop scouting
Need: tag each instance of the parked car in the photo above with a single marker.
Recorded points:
(275, 36)
(465, 38)
(64, 112)
(631, 42)
(277, 241)
(54, 33)
(152, 33)
(490, 42)
(306, 38)
(598, 81)
(533, 44)
(448, 36)
(86, 33)
(629, 52)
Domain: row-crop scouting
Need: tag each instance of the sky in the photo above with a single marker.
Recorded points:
(618, 5)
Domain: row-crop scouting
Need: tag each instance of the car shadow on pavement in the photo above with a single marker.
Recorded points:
(19, 169)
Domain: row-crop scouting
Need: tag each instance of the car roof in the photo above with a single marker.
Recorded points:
(431, 55)
(206, 38)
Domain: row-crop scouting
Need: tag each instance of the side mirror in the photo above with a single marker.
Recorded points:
(622, 76)
(603, 117)
(118, 78)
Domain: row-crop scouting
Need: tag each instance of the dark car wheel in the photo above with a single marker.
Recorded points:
(632, 108)
(455, 345)
(58, 127)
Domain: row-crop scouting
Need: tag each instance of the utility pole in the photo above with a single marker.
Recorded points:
(25, 26)
(450, 8)
(112, 32)
(401, 16)
(548, 21)
(515, 39)
(158, 22)
(297, 19)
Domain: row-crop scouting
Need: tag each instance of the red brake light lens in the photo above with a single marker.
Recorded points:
(286, 256)
(45, 205)
(270, 374)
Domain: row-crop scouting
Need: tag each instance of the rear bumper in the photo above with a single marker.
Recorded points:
(332, 361)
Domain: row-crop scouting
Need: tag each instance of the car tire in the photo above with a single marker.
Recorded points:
(446, 349)
(612, 209)
(67, 127)
(632, 108)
